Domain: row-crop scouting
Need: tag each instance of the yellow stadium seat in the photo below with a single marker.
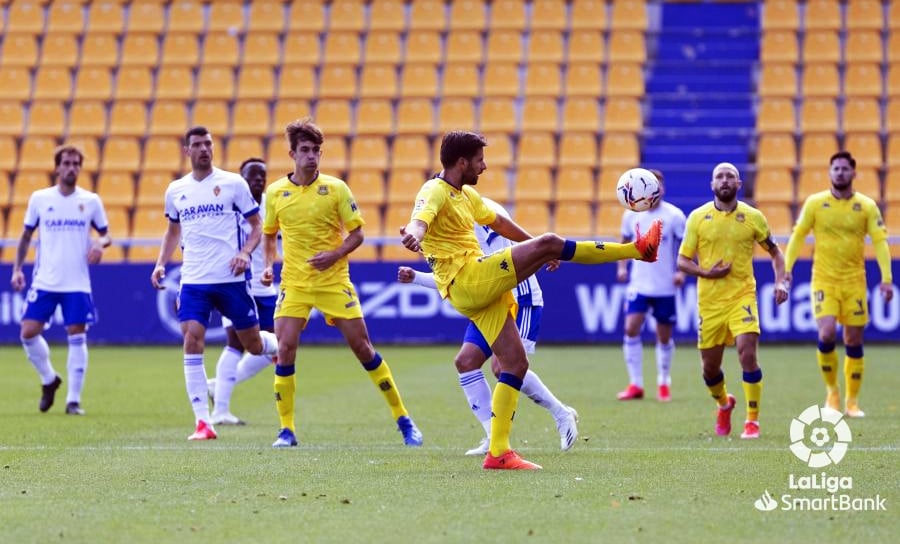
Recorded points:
(12, 118)
(867, 181)
(342, 48)
(174, 83)
(367, 186)
(776, 151)
(19, 49)
(609, 221)
(250, 118)
(140, 49)
(93, 83)
(418, 81)
(467, 15)
(578, 149)
(403, 185)
(241, 148)
(52, 83)
(337, 81)
(428, 15)
(534, 217)
(397, 215)
(861, 115)
(387, 15)
(255, 83)
(533, 185)
(215, 82)
(186, 16)
(540, 113)
(163, 154)
(863, 80)
(629, 14)
(28, 182)
(619, 151)
(545, 46)
(464, 46)
(36, 153)
(779, 217)
(536, 149)
(545, 14)
(212, 114)
(99, 50)
(122, 153)
(892, 191)
(118, 216)
(581, 114)
(15, 83)
(46, 118)
(302, 48)
(374, 116)
(26, 17)
(863, 46)
(823, 14)
(779, 46)
(501, 79)
(893, 78)
(543, 79)
(151, 192)
(378, 81)
(624, 80)
(297, 81)
(574, 219)
(146, 16)
(778, 80)
(818, 115)
(423, 46)
(59, 50)
(780, 15)
(287, 111)
(606, 185)
(776, 115)
(105, 16)
(306, 17)
(892, 116)
(180, 49)
(498, 114)
(220, 49)
(822, 46)
(267, 16)
(494, 184)
(226, 16)
(415, 116)
(893, 16)
(622, 115)
(116, 189)
(134, 83)
(816, 149)
(334, 114)
(575, 184)
(503, 46)
(499, 156)
(627, 46)
(334, 157)
(8, 158)
(589, 14)
(278, 160)
(866, 149)
(127, 118)
(148, 222)
(774, 185)
(91, 148)
(87, 118)
(460, 79)
(410, 152)
(261, 49)
(821, 80)
(383, 47)
(347, 15)
(455, 114)
(812, 179)
(586, 46)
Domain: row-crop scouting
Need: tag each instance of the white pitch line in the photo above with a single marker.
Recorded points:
(375, 448)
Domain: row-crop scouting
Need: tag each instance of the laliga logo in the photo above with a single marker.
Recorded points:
(820, 427)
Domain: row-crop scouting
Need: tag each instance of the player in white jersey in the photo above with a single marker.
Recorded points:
(204, 210)
(65, 215)
(234, 365)
(651, 288)
(475, 349)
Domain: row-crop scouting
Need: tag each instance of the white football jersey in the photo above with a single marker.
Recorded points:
(210, 212)
(655, 279)
(64, 224)
(527, 293)
(257, 259)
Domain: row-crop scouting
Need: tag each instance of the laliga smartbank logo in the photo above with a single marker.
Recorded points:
(820, 437)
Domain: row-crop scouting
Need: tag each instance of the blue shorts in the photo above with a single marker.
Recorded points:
(77, 308)
(196, 302)
(663, 307)
(265, 309)
(528, 321)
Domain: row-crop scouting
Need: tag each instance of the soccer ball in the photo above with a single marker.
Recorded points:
(638, 189)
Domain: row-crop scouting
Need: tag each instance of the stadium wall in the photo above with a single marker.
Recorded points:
(583, 304)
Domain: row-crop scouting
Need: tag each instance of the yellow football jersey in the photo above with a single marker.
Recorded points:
(712, 236)
(312, 218)
(839, 226)
(450, 241)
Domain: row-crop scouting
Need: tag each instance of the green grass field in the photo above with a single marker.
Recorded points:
(641, 471)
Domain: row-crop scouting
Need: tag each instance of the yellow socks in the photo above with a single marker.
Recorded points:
(853, 372)
(590, 252)
(503, 410)
(717, 389)
(828, 363)
(380, 374)
(285, 386)
(753, 391)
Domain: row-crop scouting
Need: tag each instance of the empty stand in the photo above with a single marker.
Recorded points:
(250, 118)
(498, 114)
(87, 118)
(774, 185)
(545, 46)
(540, 114)
(46, 118)
(383, 47)
(116, 189)
(59, 49)
(19, 49)
(574, 219)
(375, 116)
(127, 118)
(586, 45)
(163, 154)
(533, 184)
(575, 184)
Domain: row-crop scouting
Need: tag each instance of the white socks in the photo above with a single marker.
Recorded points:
(478, 394)
(633, 351)
(76, 365)
(534, 388)
(195, 382)
(38, 352)
(251, 365)
(270, 343)
(664, 354)
(226, 375)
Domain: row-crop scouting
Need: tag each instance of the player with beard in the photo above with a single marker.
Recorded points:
(721, 235)
(840, 218)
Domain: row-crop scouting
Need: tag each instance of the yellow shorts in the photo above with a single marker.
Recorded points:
(338, 301)
(849, 302)
(719, 326)
(482, 291)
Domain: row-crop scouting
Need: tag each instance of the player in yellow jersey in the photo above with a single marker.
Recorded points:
(479, 286)
(313, 211)
(721, 235)
(840, 218)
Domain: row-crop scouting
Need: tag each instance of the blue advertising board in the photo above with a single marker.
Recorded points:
(583, 304)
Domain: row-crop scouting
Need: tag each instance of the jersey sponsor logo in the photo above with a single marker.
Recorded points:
(65, 224)
(353, 206)
(201, 210)
(750, 317)
(504, 265)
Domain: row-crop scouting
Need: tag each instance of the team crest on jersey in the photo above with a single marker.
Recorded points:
(740, 218)
(857, 207)
(420, 204)
(81, 208)
(323, 190)
(216, 190)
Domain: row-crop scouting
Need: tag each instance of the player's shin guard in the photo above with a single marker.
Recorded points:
(76, 365)
(285, 387)
(269, 342)
(827, 358)
(717, 389)
(854, 364)
(380, 374)
(753, 391)
(503, 410)
(590, 252)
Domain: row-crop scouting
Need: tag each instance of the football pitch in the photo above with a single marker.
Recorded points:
(640, 471)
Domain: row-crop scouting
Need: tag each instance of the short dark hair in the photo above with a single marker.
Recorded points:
(251, 160)
(67, 148)
(460, 144)
(843, 155)
(194, 131)
(303, 129)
